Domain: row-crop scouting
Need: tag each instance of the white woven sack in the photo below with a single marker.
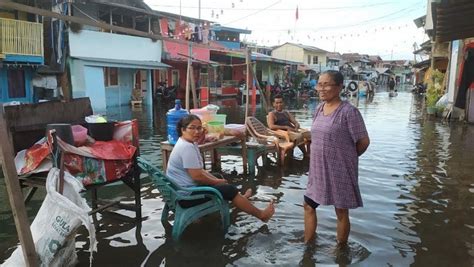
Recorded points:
(54, 227)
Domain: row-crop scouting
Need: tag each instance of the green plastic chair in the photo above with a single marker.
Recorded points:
(184, 216)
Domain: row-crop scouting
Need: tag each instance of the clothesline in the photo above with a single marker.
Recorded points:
(215, 63)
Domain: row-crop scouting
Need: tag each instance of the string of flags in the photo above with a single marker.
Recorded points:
(317, 36)
(215, 14)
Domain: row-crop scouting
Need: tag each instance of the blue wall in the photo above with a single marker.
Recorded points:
(94, 88)
(4, 86)
(121, 94)
(231, 45)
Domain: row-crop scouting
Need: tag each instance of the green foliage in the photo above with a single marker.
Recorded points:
(298, 78)
(434, 90)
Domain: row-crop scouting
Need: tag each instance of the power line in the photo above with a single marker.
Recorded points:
(280, 9)
(361, 23)
(256, 12)
(408, 9)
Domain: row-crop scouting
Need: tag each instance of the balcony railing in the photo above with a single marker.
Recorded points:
(21, 38)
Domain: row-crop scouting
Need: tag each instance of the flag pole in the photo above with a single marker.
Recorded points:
(296, 19)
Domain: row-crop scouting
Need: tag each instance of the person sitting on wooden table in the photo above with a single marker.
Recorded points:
(185, 168)
(284, 124)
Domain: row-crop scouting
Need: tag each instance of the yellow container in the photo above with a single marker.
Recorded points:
(219, 117)
(216, 128)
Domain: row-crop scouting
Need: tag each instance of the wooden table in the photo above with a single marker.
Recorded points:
(254, 150)
(166, 149)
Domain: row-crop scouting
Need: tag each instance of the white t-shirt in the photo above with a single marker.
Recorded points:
(185, 155)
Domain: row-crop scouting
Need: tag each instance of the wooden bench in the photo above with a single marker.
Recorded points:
(27, 124)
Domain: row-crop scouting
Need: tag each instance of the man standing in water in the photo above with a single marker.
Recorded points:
(391, 84)
(338, 138)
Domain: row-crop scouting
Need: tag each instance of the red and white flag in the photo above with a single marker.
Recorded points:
(296, 15)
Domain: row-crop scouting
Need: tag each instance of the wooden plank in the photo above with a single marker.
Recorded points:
(453, 9)
(27, 123)
(450, 36)
(188, 73)
(193, 88)
(15, 196)
(248, 82)
(263, 95)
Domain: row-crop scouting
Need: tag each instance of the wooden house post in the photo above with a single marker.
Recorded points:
(188, 73)
(249, 83)
(15, 195)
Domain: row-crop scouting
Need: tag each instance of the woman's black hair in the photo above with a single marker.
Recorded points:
(335, 75)
(184, 122)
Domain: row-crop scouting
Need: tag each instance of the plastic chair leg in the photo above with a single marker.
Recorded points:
(164, 214)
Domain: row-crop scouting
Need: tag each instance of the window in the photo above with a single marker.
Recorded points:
(227, 75)
(160, 76)
(175, 78)
(16, 84)
(204, 78)
(309, 59)
(315, 59)
(111, 76)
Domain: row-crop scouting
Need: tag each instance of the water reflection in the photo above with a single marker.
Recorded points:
(415, 180)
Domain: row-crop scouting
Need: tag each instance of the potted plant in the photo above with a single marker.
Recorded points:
(434, 91)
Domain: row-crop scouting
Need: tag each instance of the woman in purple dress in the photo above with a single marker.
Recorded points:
(338, 137)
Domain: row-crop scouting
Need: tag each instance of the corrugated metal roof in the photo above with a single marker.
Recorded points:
(120, 63)
(305, 47)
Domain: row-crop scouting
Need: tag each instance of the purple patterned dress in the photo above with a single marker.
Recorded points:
(333, 172)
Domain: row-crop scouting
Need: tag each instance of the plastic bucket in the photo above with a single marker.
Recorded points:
(220, 118)
(216, 127)
(80, 134)
(101, 131)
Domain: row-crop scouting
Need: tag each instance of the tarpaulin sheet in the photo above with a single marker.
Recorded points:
(96, 163)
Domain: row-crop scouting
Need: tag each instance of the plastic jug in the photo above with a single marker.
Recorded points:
(172, 118)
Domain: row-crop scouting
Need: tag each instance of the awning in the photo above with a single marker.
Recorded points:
(422, 64)
(383, 70)
(229, 53)
(266, 58)
(176, 50)
(453, 20)
(120, 63)
(303, 67)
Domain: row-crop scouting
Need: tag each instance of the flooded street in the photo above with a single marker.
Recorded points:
(416, 181)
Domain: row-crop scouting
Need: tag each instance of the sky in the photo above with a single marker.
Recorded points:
(374, 27)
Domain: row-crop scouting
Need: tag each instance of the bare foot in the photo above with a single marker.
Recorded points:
(268, 212)
(248, 193)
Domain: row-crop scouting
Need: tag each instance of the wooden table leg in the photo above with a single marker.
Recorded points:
(164, 158)
(244, 154)
(216, 160)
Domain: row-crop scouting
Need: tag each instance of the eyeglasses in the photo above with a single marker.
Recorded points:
(195, 128)
(325, 86)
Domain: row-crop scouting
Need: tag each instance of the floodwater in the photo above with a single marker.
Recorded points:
(416, 181)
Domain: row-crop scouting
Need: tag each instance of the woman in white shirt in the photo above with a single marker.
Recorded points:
(185, 168)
